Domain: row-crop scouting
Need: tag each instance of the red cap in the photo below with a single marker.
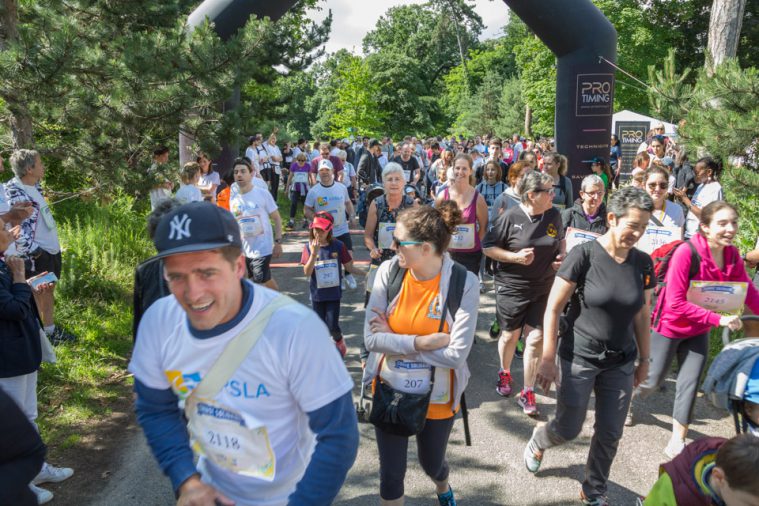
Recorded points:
(321, 223)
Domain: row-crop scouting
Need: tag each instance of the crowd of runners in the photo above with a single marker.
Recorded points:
(597, 292)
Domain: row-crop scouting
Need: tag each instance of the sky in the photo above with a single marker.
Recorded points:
(352, 19)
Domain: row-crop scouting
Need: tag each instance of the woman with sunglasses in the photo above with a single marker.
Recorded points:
(527, 242)
(666, 213)
(708, 190)
(406, 330)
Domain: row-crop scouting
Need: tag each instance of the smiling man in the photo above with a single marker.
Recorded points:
(279, 427)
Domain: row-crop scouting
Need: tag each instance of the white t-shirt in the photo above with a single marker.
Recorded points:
(293, 370)
(705, 194)
(272, 151)
(350, 173)
(252, 212)
(188, 193)
(46, 233)
(211, 178)
(331, 199)
(671, 216)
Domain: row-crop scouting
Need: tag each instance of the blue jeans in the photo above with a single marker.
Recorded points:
(329, 312)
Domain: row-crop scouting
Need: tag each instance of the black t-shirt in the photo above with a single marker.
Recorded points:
(513, 230)
(411, 165)
(612, 296)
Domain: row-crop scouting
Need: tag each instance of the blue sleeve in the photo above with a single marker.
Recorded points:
(336, 429)
(161, 420)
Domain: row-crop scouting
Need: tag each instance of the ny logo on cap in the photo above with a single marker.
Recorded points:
(180, 227)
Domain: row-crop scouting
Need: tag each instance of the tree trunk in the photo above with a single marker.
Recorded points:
(20, 120)
(724, 31)
(527, 120)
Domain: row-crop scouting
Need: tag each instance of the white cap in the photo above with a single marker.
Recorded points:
(325, 163)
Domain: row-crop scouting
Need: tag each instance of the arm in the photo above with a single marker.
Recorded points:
(557, 300)
(336, 430)
(384, 342)
(308, 266)
(277, 219)
(161, 420)
(349, 208)
(371, 226)
(16, 294)
(482, 216)
(507, 256)
(308, 212)
(676, 293)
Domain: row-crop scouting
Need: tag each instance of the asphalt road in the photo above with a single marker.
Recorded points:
(491, 471)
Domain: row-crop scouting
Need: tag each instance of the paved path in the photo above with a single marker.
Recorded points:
(491, 471)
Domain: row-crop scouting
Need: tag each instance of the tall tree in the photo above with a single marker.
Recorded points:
(724, 31)
(355, 108)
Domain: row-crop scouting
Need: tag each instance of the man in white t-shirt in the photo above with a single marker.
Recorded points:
(38, 241)
(253, 207)
(282, 428)
(332, 196)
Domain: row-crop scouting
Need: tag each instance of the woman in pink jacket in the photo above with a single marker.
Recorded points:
(681, 328)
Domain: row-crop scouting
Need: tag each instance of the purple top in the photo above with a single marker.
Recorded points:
(301, 188)
(469, 217)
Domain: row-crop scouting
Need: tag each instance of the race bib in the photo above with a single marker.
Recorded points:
(463, 238)
(407, 175)
(300, 177)
(47, 216)
(385, 235)
(327, 273)
(277, 170)
(235, 441)
(414, 378)
(723, 297)
(655, 237)
(251, 226)
(575, 237)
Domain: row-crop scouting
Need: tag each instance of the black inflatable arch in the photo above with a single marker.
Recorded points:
(577, 33)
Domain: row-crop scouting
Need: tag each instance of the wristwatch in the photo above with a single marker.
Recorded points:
(640, 360)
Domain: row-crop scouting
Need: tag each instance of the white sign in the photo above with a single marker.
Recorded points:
(575, 237)
(722, 297)
(655, 237)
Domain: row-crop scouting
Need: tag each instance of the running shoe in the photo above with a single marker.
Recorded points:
(674, 447)
(341, 347)
(343, 284)
(305, 224)
(595, 501)
(291, 224)
(533, 455)
(495, 329)
(43, 496)
(629, 419)
(519, 350)
(351, 281)
(482, 287)
(504, 384)
(52, 474)
(527, 402)
(447, 498)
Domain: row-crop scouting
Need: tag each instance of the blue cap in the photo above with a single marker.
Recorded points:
(197, 226)
(752, 386)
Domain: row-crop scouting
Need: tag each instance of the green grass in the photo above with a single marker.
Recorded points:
(102, 244)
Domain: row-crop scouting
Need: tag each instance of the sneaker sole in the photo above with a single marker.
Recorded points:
(526, 411)
(502, 395)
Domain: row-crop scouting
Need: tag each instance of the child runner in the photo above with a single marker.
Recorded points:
(321, 261)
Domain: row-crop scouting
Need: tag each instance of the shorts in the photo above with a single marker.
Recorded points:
(515, 309)
(346, 239)
(259, 270)
(45, 262)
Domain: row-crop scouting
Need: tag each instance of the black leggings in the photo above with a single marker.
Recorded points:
(272, 178)
(431, 444)
(295, 197)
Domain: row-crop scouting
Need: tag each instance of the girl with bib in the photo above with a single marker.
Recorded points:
(321, 260)
(408, 336)
(466, 247)
(695, 300)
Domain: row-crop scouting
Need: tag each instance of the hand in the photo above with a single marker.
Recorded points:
(194, 492)
(340, 345)
(432, 342)
(352, 223)
(277, 251)
(379, 323)
(16, 266)
(15, 232)
(19, 212)
(557, 263)
(314, 246)
(641, 373)
(732, 322)
(375, 253)
(525, 256)
(679, 193)
(546, 374)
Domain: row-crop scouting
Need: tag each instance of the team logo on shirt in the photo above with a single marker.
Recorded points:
(321, 201)
(435, 309)
(551, 230)
(182, 384)
(333, 254)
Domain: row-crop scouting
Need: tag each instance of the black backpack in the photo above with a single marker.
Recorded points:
(452, 302)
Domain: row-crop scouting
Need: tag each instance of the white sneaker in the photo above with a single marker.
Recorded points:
(43, 495)
(351, 281)
(674, 447)
(52, 474)
(343, 284)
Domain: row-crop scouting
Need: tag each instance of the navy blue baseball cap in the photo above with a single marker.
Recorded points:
(197, 226)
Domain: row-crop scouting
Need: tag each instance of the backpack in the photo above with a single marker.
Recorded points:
(662, 257)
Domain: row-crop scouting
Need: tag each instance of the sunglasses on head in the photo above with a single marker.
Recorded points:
(398, 243)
